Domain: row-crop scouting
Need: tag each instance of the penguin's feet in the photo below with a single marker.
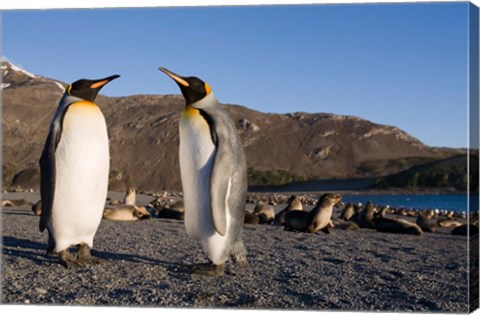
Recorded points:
(241, 261)
(51, 245)
(84, 255)
(68, 260)
(209, 269)
(51, 252)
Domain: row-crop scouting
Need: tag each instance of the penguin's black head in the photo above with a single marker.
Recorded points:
(88, 89)
(193, 89)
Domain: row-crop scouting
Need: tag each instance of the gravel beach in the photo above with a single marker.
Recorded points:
(147, 265)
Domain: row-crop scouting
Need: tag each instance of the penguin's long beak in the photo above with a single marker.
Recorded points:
(98, 84)
(179, 79)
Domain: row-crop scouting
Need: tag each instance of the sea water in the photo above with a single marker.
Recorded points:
(455, 202)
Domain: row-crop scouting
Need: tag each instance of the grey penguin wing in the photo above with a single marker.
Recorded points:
(219, 179)
(48, 172)
(220, 174)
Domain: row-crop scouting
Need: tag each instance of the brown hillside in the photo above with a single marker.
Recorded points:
(144, 139)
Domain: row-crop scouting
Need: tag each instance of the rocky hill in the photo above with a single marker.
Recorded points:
(143, 132)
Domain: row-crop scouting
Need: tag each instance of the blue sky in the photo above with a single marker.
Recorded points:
(397, 64)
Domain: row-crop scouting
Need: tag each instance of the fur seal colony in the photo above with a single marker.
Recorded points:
(169, 205)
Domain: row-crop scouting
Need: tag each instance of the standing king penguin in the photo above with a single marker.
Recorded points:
(214, 176)
(74, 169)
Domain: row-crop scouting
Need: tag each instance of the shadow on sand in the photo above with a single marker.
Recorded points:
(24, 248)
(36, 252)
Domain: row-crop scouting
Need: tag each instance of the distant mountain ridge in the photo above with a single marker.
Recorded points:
(143, 132)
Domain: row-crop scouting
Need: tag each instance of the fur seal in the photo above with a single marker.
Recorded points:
(348, 212)
(158, 203)
(294, 203)
(37, 208)
(175, 211)
(345, 225)
(425, 224)
(130, 196)
(6, 203)
(463, 230)
(178, 206)
(125, 213)
(358, 208)
(265, 212)
(365, 218)
(16, 203)
(251, 218)
(382, 213)
(114, 202)
(429, 214)
(168, 213)
(398, 226)
(448, 223)
(318, 219)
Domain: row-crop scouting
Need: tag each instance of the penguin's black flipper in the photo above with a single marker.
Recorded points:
(47, 179)
(48, 172)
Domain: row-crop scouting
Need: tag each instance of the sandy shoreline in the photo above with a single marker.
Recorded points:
(147, 266)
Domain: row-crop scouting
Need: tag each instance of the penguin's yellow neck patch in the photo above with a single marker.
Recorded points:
(190, 112)
(192, 117)
(84, 104)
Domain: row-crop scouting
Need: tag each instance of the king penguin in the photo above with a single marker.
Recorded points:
(74, 169)
(214, 176)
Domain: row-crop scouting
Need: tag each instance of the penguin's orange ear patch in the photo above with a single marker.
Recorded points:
(208, 89)
(98, 84)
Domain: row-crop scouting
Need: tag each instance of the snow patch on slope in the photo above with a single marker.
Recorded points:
(60, 85)
(18, 69)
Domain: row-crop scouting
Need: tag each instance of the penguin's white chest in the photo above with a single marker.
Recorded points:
(82, 167)
(197, 153)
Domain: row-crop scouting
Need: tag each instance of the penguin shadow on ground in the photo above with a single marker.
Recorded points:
(109, 257)
(17, 212)
(36, 253)
(23, 248)
(384, 258)
(334, 261)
